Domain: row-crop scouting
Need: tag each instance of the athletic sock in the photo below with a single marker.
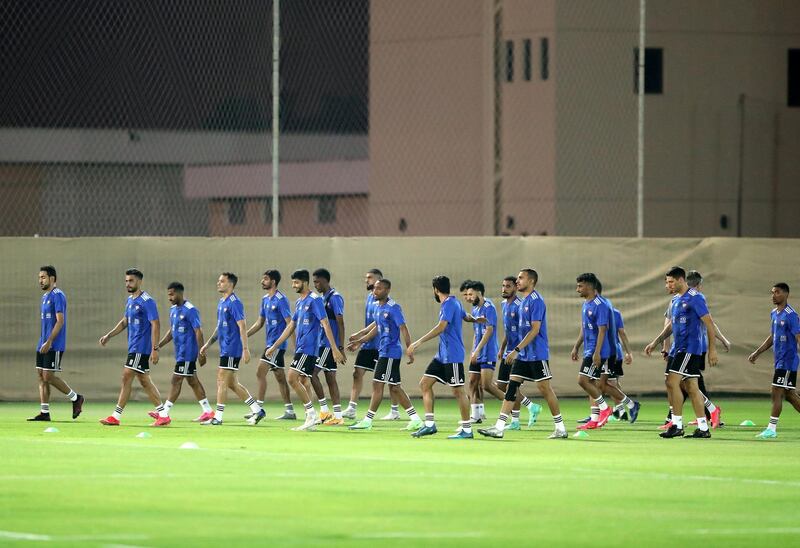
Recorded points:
(395, 409)
(515, 415)
(466, 427)
(160, 410)
(669, 414)
(559, 423)
(369, 417)
(204, 405)
(709, 405)
(167, 406)
(677, 420)
(352, 405)
(474, 411)
(702, 423)
(220, 410)
(45, 408)
(481, 410)
(260, 403)
(117, 414)
(323, 405)
(337, 411)
(428, 419)
(595, 413)
(526, 401)
(252, 404)
(601, 403)
(619, 408)
(412, 414)
(289, 407)
(72, 396)
(773, 424)
(631, 404)
(309, 407)
(502, 420)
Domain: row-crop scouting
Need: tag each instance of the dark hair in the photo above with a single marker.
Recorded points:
(441, 284)
(466, 284)
(273, 275)
(301, 275)
(385, 281)
(676, 272)
(782, 286)
(694, 278)
(375, 271)
(599, 287)
(233, 278)
(532, 274)
(588, 278)
(478, 286)
(322, 273)
(511, 279)
(176, 286)
(50, 270)
(134, 272)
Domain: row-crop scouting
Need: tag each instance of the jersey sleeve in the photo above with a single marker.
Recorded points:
(60, 303)
(794, 324)
(283, 308)
(618, 318)
(536, 313)
(397, 315)
(194, 318)
(337, 303)
(237, 310)
(601, 315)
(263, 310)
(318, 309)
(491, 316)
(699, 305)
(152, 309)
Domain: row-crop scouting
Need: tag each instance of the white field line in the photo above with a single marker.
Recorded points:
(35, 537)
(759, 531)
(418, 534)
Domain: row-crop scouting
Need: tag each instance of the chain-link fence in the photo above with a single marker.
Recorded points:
(457, 117)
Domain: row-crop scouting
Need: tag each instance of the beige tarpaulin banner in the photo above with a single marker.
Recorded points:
(739, 274)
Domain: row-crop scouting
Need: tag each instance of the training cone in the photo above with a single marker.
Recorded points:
(143, 435)
(580, 434)
(51, 430)
(748, 422)
(189, 445)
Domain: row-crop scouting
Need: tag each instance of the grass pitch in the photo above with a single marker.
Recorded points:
(89, 485)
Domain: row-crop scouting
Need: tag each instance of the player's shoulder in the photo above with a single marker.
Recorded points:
(280, 296)
(145, 296)
(693, 292)
(233, 298)
(173, 307)
(598, 301)
(188, 305)
(789, 310)
(57, 291)
(487, 303)
(391, 303)
(517, 301)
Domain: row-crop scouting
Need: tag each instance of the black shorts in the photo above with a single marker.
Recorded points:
(303, 364)
(451, 374)
(185, 369)
(684, 364)
(532, 371)
(503, 372)
(51, 361)
(367, 359)
(480, 366)
(785, 379)
(588, 369)
(276, 361)
(325, 360)
(703, 363)
(230, 363)
(387, 371)
(138, 362)
(612, 368)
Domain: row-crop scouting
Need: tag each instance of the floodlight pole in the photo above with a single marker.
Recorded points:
(276, 112)
(640, 137)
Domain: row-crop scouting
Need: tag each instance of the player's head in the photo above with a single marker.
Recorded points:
(175, 293)
(133, 279)
(322, 280)
(372, 276)
(586, 285)
(300, 280)
(527, 280)
(694, 279)
(780, 293)
(509, 287)
(475, 293)
(441, 287)
(270, 280)
(381, 289)
(227, 282)
(47, 277)
(675, 279)
(599, 287)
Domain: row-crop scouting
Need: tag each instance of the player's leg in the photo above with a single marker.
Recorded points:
(298, 377)
(222, 395)
(474, 393)
(128, 375)
(399, 395)
(201, 397)
(355, 392)
(426, 388)
(463, 406)
(487, 380)
(44, 395)
(316, 384)
(713, 412)
(261, 381)
(257, 413)
(549, 395)
(374, 403)
(510, 398)
(176, 383)
(283, 388)
(333, 390)
(587, 377)
(699, 409)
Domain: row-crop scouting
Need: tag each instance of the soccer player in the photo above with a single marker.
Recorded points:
(52, 344)
(484, 350)
(784, 339)
(144, 331)
(387, 327)
(333, 302)
(308, 319)
(275, 313)
(510, 310)
(529, 358)
(689, 317)
(186, 331)
(447, 367)
(231, 330)
(596, 320)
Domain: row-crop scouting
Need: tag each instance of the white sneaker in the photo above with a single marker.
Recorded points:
(349, 413)
(309, 425)
(392, 416)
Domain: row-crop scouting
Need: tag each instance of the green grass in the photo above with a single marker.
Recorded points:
(89, 485)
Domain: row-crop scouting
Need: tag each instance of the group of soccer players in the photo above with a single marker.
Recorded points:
(317, 323)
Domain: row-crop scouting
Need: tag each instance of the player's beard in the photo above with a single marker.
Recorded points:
(436, 298)
(370, 287)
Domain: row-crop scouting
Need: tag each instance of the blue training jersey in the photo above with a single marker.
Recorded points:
(451, 347)
(140, 312)
(619, 324)
(785, 327)
(533, 309)
(595, 314)
(53, 302)
(687, 327)
(511, 324)
(334, 306)
(275, 310)
(308, 312)
(183, 320)
(230, 310)
(489, 351)
(389, 318)
(369, 317)
(613, 336)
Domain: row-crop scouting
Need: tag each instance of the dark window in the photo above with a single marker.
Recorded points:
(793, 76)
(509, 60)
(526, 59)
(237, 213)
(653, 70)
(544, 44)
(268, 211)
(326, 210)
